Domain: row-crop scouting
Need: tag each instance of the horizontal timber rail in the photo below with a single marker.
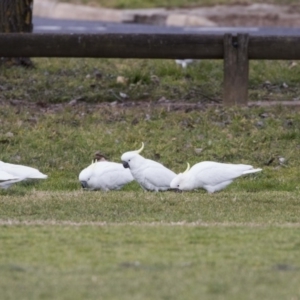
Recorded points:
(235, 50)
(142, 46)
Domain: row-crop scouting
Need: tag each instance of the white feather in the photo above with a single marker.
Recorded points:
(18, 173)
(105, 175)
(21, 171)
(151, 175)
(6, 179)
(4, 176)
(211, 176)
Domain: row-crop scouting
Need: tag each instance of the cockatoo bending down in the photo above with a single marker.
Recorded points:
(18, 173)
(104, 175)
(151, 175)
(211, 176)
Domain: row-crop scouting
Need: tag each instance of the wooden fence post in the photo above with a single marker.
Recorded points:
(16, 16)
(236, 69)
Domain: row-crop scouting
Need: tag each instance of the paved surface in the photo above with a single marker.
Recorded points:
(53, 16)
(46, 25)
(260, 15)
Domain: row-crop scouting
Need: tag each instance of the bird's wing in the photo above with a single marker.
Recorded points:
(4, 176)
(6, 179)
(22, 171)
(113, 176)
(158, 175)
(154, 164)
(213, 173)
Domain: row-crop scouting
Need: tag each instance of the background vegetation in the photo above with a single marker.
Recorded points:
(102, 80)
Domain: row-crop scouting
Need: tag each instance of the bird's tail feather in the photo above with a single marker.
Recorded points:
(252, 171)
(37, 176)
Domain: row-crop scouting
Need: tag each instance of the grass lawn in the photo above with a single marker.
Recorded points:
(136, 245)
(59, 242)
(149, 262)
(102, 80)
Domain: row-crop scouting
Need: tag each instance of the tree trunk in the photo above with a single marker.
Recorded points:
(16, 16)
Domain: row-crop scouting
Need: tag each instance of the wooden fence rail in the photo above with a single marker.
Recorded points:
(235, 50)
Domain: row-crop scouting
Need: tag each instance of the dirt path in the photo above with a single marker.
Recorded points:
(258, 14)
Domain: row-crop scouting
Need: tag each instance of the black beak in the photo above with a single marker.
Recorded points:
(126, 165)
(84, 184)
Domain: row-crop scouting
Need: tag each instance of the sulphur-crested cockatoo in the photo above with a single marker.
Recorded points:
(104, 175)
(211, 176)
(183, 62)
(21, 172)
(6, 179)
(151, 175)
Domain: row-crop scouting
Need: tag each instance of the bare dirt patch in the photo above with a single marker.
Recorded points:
(146, 224)
(262, 15)
(40, 108)
(258, 14)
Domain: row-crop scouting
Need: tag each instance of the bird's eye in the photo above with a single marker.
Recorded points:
(128, 160)
(177, 185)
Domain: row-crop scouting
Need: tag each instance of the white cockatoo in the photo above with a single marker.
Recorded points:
(184, 62)
(104, 175)
(209, 175)
(20, 173)
(151, 175)
(6, 179)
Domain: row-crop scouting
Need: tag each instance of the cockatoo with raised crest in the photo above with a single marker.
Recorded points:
(151, 175)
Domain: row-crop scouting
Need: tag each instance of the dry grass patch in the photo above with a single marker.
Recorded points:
(137, 207)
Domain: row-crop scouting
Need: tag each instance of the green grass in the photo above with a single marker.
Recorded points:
(174, 3)
(156, 262)
(96, 80)
(228, 207)
(59, 242)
